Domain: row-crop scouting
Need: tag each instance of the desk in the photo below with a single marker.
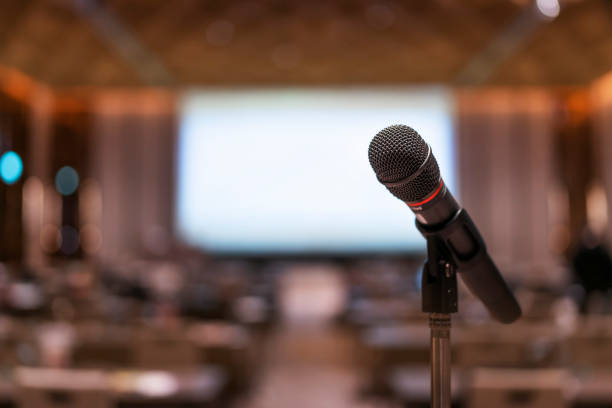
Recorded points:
(203, 387)
(586, 388)
(412, 384)
(594, 387)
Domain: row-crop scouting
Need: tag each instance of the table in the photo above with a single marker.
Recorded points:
(150, 388)
(585, 388)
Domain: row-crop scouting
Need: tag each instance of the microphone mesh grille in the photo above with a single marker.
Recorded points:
(422, 186)
(396, 153)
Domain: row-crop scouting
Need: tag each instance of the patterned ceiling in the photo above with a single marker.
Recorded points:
(68, 43)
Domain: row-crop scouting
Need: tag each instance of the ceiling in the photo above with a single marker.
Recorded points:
(67, 43)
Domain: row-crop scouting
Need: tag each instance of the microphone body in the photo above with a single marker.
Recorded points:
(439, 210)
(404, 163)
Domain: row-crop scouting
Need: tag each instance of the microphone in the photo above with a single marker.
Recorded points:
(404, 163)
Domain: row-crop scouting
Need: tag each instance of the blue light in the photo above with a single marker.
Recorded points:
(11, 167)
(66, 180)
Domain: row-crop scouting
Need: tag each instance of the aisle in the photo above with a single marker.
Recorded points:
(310, 368)
(310, 362)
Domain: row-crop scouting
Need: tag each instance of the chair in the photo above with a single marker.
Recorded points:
(158, 350)
(591, 344)
(101, 345)
(520, 345)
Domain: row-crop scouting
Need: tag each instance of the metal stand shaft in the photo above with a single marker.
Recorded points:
(439, 296)
(440, 325)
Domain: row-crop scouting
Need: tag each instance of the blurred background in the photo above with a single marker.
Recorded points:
(188, 217)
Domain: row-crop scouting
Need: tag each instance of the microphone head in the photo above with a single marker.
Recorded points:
(403, 162)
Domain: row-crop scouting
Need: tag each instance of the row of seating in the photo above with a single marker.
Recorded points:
(75, 364)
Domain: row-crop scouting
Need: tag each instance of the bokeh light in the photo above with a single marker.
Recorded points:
(66, 180)
(11, 167)
(156, 384)
(549, 8)
(70, 240)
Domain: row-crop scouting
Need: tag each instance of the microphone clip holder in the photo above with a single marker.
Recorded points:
(439, 280)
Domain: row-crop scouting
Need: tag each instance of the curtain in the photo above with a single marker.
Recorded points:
(133, 164)
(506, 174)
(601, 93)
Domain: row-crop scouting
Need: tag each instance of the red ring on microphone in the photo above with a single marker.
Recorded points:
(431, 197)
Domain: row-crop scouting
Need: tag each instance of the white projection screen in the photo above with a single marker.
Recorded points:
(286, 171)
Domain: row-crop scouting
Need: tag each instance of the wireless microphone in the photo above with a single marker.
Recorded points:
(405, 164)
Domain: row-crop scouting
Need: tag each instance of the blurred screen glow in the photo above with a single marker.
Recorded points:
(287, 171)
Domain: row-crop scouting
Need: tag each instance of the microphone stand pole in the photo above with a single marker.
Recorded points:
(439, 296)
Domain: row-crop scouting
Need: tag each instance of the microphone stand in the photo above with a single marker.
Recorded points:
(439, 297)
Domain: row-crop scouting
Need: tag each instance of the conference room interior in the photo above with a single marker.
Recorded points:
(188, 216)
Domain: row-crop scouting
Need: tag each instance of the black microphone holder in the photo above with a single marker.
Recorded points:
(439, 293)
